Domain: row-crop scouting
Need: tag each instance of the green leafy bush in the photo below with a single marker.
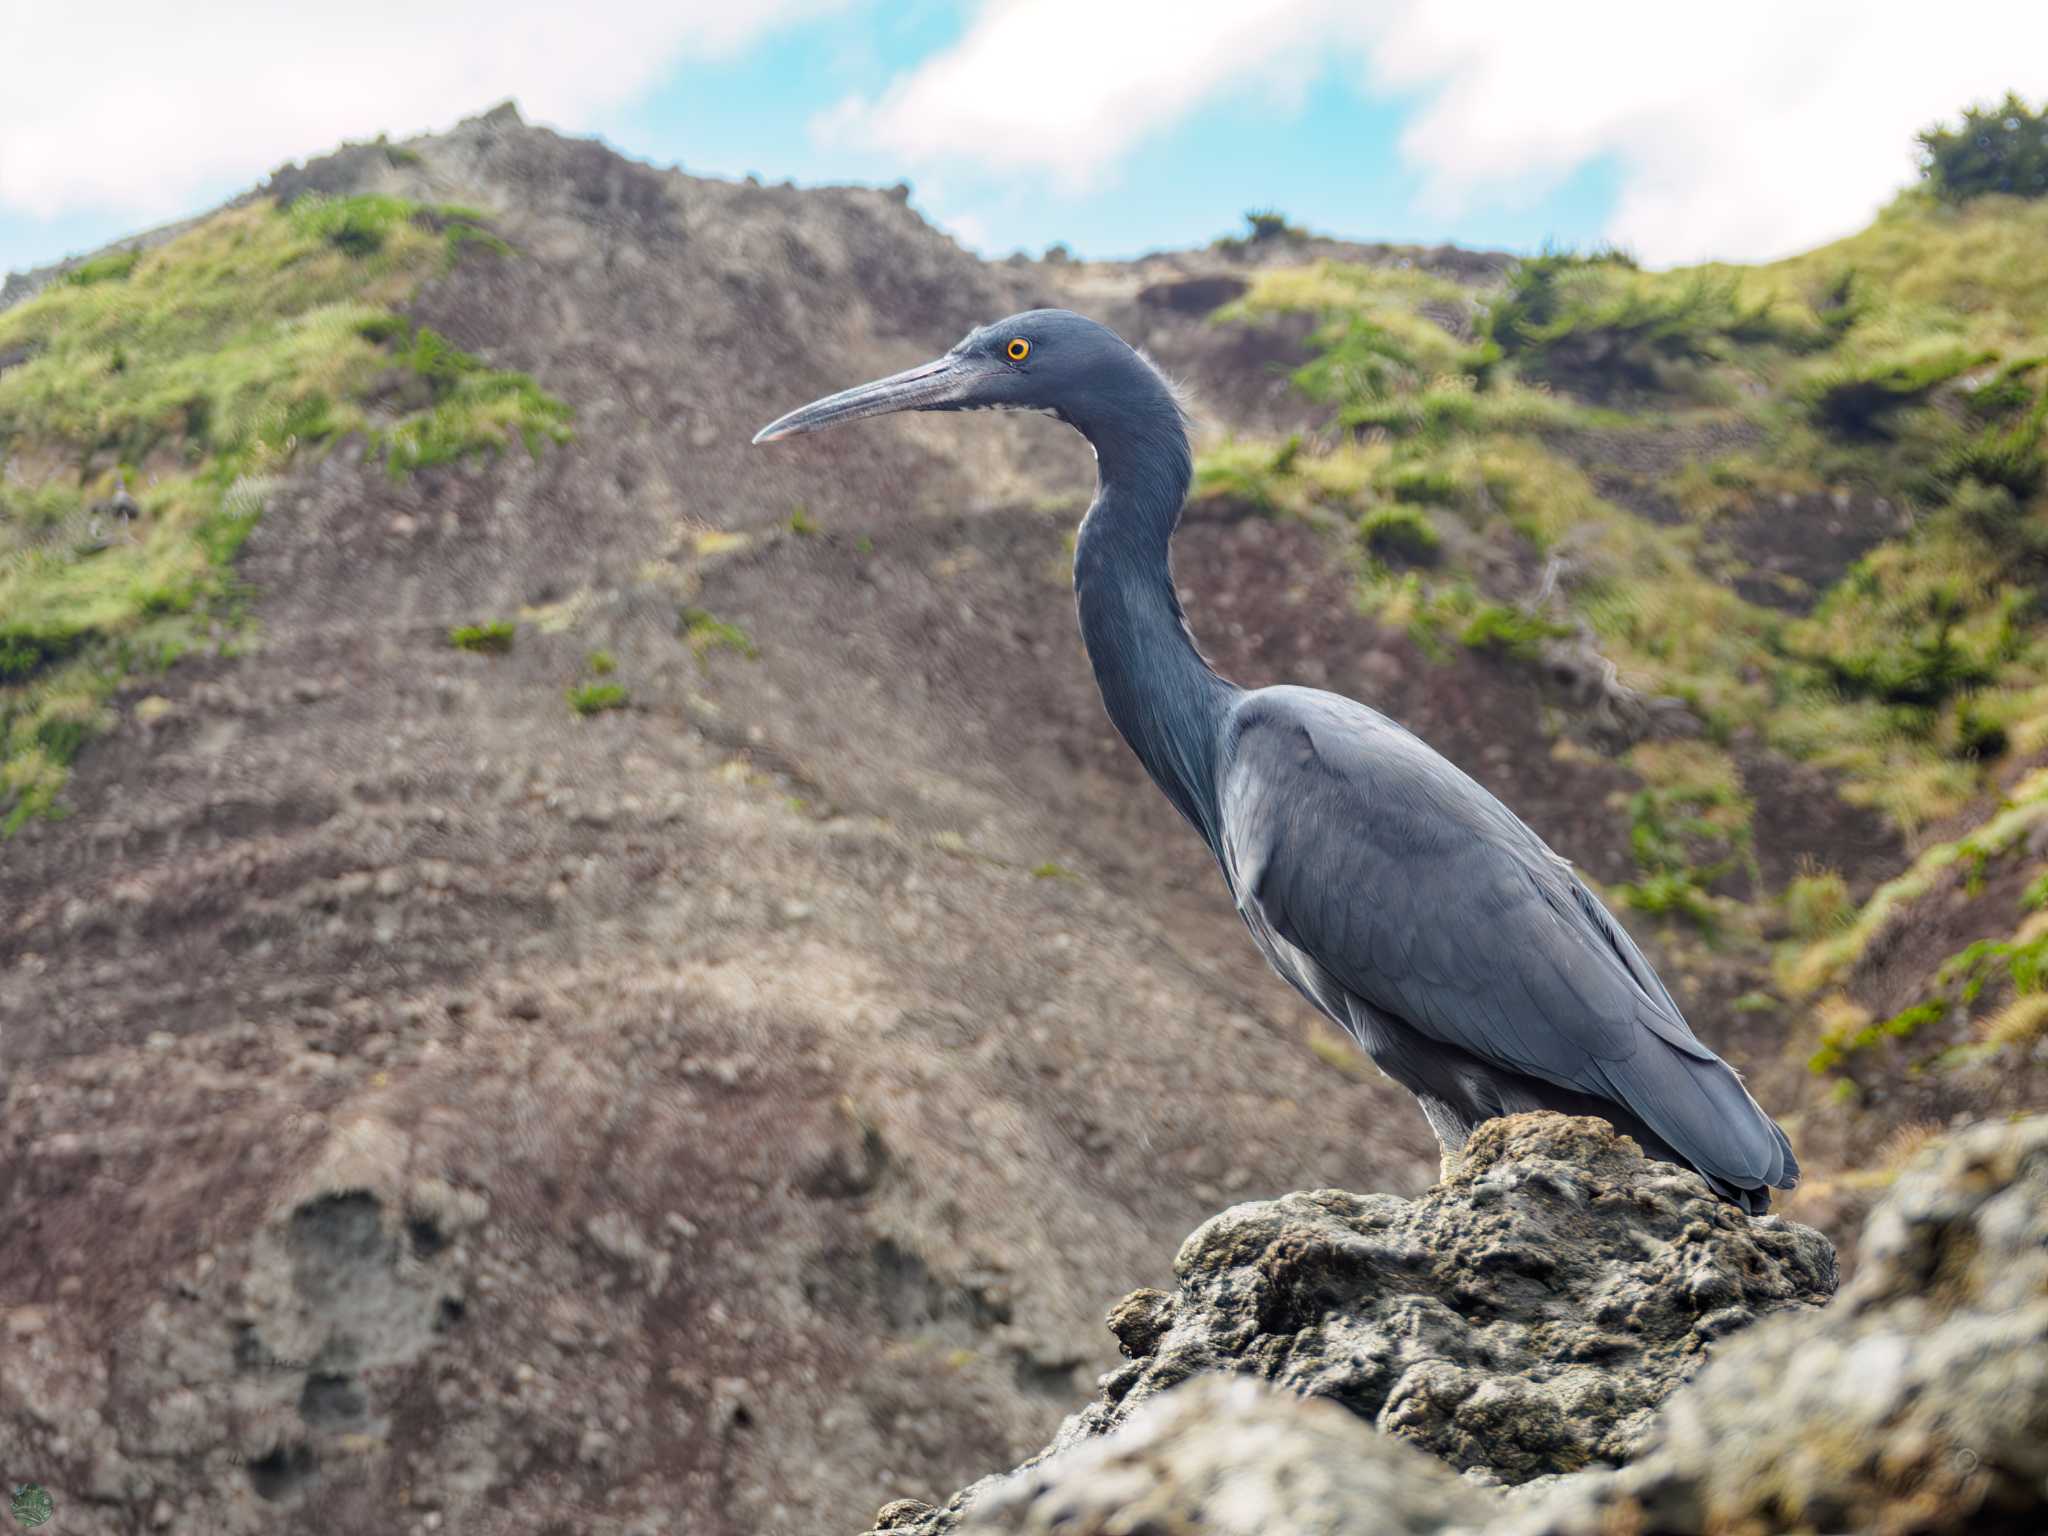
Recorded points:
(1856, 400)
(1399, 533)
(492, 638)
(1506, 631)
(355, 226)
(1248, 472)
(1360, 360)
(1430, 485)
(1594, 323)
(1671, 893)
(593, 698)
(1920, 660)
(2010, 457)
(2002, 148)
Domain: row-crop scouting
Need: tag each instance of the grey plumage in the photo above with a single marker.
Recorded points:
(1387, 886)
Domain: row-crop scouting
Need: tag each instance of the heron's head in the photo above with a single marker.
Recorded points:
(1049, 360)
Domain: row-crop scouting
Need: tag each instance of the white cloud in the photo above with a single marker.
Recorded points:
(1749, 129)
(132, 105)
(1070, 85)
(1742, 130)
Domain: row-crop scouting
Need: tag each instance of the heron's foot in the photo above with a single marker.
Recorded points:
(1448, 1159)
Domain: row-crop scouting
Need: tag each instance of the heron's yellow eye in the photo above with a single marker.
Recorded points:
(1018, 349)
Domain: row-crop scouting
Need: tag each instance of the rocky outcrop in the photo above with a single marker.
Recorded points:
(1526, 1317)
(1916, 1402)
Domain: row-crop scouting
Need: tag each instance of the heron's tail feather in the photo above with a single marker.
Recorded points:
(1701, 1108)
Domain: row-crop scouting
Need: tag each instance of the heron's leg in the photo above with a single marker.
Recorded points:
(1451, 1131)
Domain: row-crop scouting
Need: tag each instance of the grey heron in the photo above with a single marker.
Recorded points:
(1386, 885)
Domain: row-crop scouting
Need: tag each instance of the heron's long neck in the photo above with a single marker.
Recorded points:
(1160, 694)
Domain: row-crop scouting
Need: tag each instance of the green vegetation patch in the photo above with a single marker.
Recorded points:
(1399, 534)
(1598, 325)
(595, 698)
(491, 638)
(203, 368)
(1896, 378)
(1689, 828)
(706, 633)
(2000, 148)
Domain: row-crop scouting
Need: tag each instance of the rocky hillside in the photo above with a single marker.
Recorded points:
(562, 973)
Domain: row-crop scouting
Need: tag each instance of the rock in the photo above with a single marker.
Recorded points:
(1527, 1317)
(1917, 1402)
(1231, 1456)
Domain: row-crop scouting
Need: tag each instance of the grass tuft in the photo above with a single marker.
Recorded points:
(491, 638)
(706, 633)
(595, 698)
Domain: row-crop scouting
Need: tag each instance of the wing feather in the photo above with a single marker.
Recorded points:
(1423, 896)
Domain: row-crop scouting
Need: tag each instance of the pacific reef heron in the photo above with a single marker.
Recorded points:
(1392, 891)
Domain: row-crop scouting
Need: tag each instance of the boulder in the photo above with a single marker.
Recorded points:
(1527, 1317)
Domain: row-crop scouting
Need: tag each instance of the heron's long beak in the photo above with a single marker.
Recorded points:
(929, 386)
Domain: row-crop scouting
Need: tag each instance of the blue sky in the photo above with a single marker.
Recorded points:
(1114, 126)
(1328, 158)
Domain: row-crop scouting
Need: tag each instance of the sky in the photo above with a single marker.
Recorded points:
(1741, 130)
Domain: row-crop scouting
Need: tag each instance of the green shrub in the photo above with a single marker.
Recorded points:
(493, 638)
(2003, 148)
(356, 226)
(1817, 904)
(1429, 485)
(591, 698)
(1918, 661)
(109, 267)
(2010, 457)
(1360, 360)
(2007, 394)
(1506, 631)
(1857, 400)
(1988, 511)
(601, 663)
(1248, 472)
(1978, 738)
(1399, 533)
(476, 407)
(1671, 894)
(1594, 323)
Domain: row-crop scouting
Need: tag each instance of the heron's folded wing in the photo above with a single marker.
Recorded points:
(1422, 895)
